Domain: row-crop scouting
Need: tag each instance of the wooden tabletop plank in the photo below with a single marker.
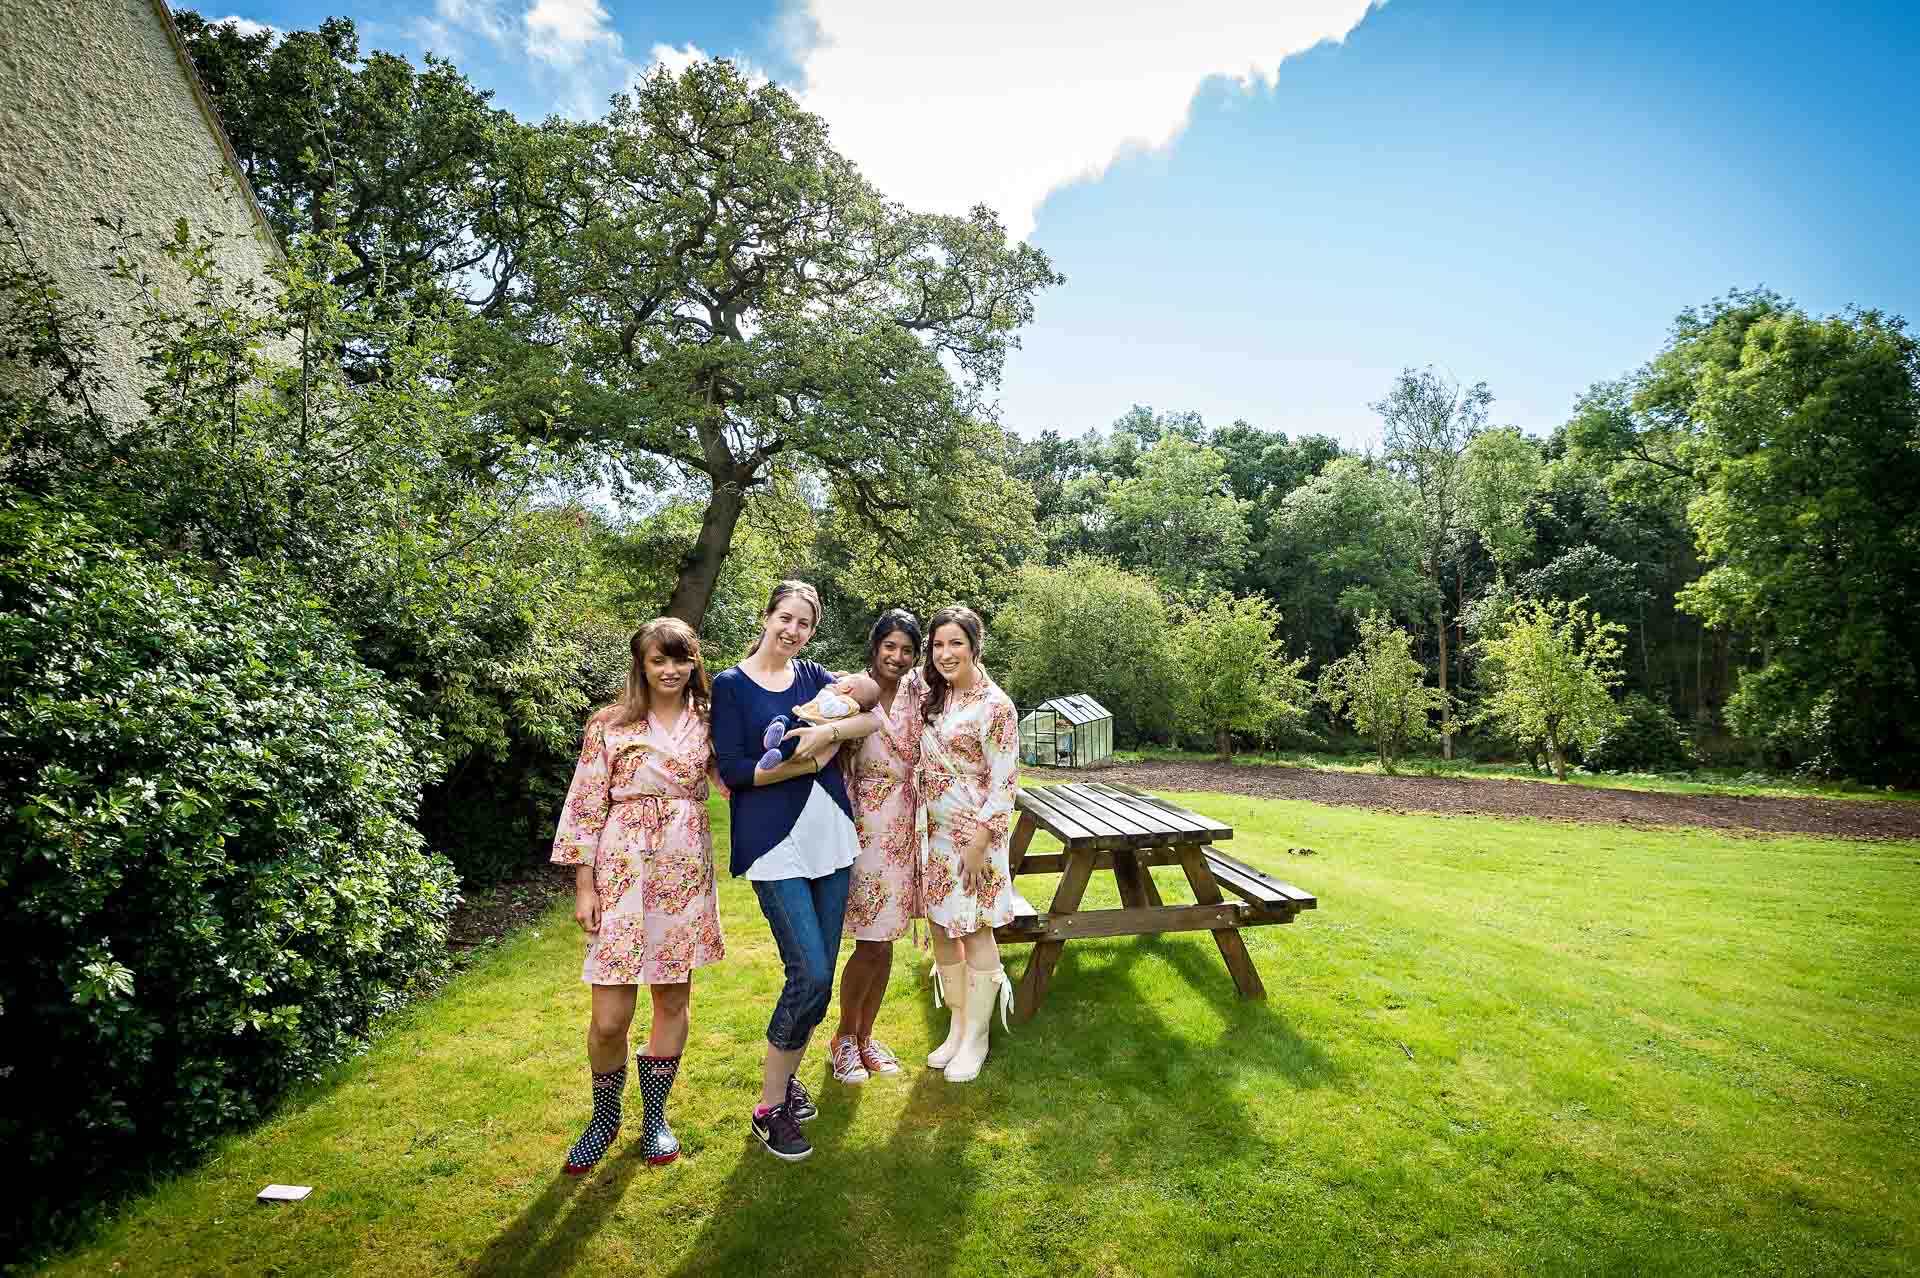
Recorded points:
(1205, 826)
(1098, 807)
(1144, 815)
(1065, 800)
(1061, 825)
(1104, 824)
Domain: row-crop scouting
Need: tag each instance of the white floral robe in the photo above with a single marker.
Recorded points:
(884, 898)
(968, 758)
(637, 813)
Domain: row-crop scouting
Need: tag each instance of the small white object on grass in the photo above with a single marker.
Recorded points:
(284, 1193)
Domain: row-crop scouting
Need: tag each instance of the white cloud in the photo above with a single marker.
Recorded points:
(481, 16)
(1006, 101)
(678, 60)
(563, 32)
(246, 26)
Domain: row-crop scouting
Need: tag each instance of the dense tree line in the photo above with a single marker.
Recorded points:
(622, 310)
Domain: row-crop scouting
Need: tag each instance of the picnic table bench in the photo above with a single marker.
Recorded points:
(1119, 828)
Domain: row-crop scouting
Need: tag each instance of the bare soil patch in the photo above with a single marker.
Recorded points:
(489, 913)
(1498, 797)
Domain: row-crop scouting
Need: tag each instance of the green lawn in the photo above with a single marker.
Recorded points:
(1699, 781)
(1496, 1048)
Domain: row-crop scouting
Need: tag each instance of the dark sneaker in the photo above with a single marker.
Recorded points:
(799, 1103)
(781, 1134)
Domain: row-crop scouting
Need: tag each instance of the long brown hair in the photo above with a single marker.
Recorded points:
(969, 622)
(781, 591)
(676, 639)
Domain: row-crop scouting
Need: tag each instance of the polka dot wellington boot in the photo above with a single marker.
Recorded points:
(604, 1126)
(658, 1144)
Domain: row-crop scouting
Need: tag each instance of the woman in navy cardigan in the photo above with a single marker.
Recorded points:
(793, 835)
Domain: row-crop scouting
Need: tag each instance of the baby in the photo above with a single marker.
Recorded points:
(825, 708)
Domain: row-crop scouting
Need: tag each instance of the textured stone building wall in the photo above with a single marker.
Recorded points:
(100, 114)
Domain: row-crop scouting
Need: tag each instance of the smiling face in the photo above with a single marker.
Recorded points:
(667, 675)
(787, 626)
(952, 652)
(894, 657)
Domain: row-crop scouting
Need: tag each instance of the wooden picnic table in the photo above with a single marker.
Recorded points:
(1120, 828)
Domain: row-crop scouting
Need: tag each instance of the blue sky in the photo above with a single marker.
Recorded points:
(1257, 223)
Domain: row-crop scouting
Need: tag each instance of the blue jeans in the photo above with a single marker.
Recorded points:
(806, 917)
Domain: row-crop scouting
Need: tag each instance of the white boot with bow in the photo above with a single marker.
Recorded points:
(984, 989)
(950, 980)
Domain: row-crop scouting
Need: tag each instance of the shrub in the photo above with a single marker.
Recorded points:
(1647, 738)
(211, 886)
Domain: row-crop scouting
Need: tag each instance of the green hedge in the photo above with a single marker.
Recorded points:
(209, 879)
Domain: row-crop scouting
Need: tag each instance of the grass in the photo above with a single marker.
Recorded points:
(1699, 781)
(1496, 1048)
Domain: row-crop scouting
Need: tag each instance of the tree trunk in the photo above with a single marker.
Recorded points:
(1223, 743)
(700, 570)
(1559, 755)
(1446, 707)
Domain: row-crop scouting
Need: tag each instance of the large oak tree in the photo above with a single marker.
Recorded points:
(727, 295)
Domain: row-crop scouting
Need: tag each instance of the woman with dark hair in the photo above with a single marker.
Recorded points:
(884, 898)
(969, 752)
(792, 833)
(635, 823)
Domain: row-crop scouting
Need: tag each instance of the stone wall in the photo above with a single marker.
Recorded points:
(100, 113)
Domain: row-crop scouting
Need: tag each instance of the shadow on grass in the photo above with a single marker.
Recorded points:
(850, 1207)
(1103, 1084)
(541, 1241)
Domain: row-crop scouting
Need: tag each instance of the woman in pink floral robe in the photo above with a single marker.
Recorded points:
(884, 899)
(969, 754)
(636, 824)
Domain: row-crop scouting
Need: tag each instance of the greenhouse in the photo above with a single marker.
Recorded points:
(1067, 732)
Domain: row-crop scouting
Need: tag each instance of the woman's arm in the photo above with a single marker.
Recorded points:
(589, 799)
(1000, 744)
(730, 743)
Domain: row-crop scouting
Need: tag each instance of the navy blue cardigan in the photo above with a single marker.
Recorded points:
(765, 814)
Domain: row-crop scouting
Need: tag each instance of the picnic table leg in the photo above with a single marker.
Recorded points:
(1127, 874)
(1066, 899)
(1148, 888)
(1022, 836)
(1233, 950)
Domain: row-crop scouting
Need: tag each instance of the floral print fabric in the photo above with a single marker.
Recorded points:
(884, 898)
(968, 757)
(637, 813)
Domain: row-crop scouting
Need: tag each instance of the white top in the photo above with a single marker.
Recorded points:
(822, 840)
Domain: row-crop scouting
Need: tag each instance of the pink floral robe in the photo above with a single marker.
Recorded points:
(637, 813)
(968, 757)
(884, 898)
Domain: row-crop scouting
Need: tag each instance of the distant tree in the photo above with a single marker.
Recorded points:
(1502, 471)
(1429, 421)
(1550, 675)
(1644, 426)
(1263, 466)
(1381, 688)
(1344, 544)
(728, 299)
(1233, 671)
(1189, 529)
(1088, 626)
(1809, 517)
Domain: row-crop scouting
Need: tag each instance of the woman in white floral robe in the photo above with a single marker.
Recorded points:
(969, 755)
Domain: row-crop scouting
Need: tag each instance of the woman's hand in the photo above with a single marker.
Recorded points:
(973, 842)
(586, 901)
(816, 743)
